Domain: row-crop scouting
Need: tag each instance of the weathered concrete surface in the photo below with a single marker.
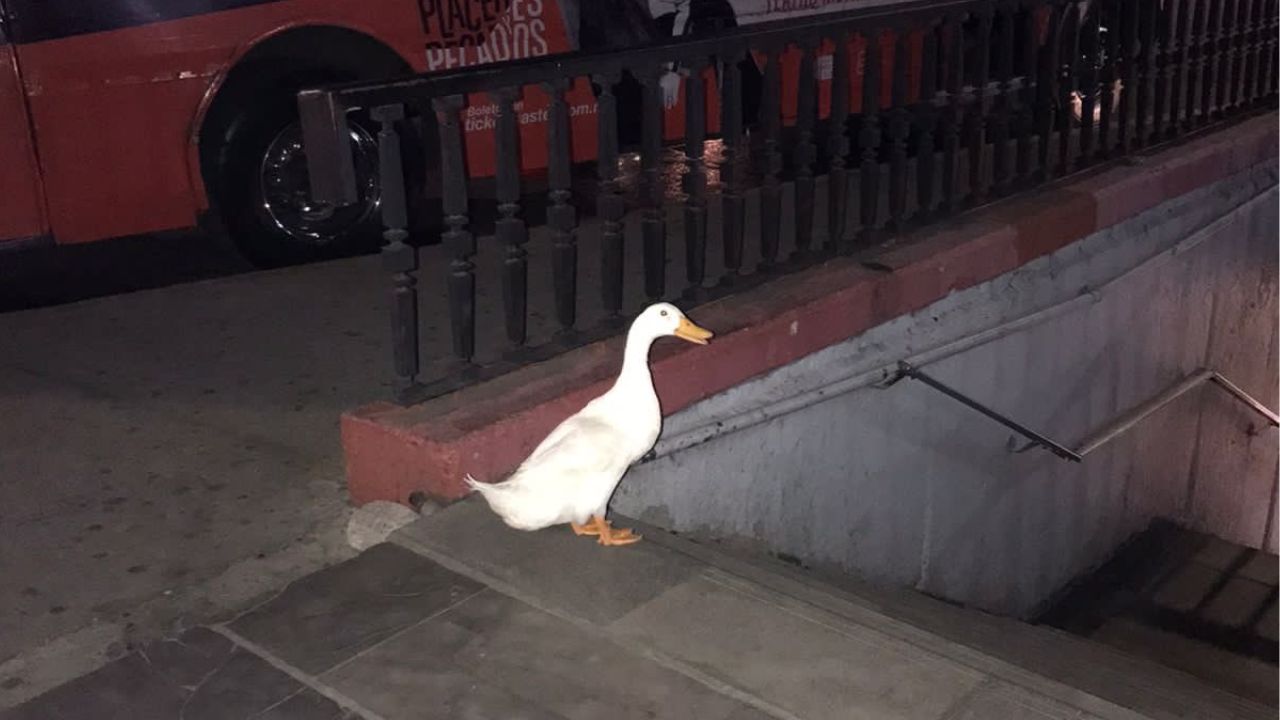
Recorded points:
(462, 617)
(1231, 488)
(787, 647)
(169, 456)
(906, 486)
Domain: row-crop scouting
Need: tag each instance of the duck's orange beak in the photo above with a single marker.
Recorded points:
(686, 330)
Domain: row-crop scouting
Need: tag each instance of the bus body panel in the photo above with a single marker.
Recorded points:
(117, 92)
(115, 112)
(523, 29)
(21, 203)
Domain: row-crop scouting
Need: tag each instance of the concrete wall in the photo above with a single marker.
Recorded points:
(903, 485)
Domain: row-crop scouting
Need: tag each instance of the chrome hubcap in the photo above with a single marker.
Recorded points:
(286, 196)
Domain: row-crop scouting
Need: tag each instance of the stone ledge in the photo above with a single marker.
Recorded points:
(487, 429)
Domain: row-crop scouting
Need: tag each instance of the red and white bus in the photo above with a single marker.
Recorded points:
(120, 117)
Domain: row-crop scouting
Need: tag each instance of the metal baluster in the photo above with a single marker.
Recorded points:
(1226, 57)
(1007, 99)
(733, 204)
(954, 114)
(458, 241)
(1196, 63)
(838, 146)
(1177, 55)
(1165, 70)
(771, 186)
(609, 202)
(931, 101)
(899, 128)
(1129, 67)
(1261, 26)
(1261, 59)
(1227, 52)
(1045, 88)
(1210, 48)
(976, 119)
(398, 258)
(1249, 82)
(652, 225)
(1161, 68)
(1267, 77)
(562, 217)
(805, 151)
(1067, 85)
(510, 227)
(1267, 51)
(1148, 53)
(1026, 106)
(1109, 74)
(1239, 51)
(1090, 89)
(869, 140)
(1271, 32)
(695, 180)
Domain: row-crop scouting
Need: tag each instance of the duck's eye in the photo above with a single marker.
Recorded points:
(664, 313)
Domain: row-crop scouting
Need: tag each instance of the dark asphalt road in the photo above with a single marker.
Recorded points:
(37, 276)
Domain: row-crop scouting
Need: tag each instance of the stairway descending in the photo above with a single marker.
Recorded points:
(1187, 600)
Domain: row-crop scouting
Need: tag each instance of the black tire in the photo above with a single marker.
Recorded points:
(255, 116)
(252, 209)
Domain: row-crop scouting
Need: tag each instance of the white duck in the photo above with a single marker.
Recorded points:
(571, 475)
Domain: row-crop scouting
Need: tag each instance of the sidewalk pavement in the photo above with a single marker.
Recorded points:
(168, 456)
(461, 617)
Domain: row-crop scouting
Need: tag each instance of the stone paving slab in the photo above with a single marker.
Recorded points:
(554, 566)
(494, 656)
(1009, 702)
(814, 666)
(200, 675)
(306, 705)
(330, 616)
(464, 618)
(787, 657)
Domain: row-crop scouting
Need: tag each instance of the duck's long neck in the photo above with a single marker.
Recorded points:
(635, 363)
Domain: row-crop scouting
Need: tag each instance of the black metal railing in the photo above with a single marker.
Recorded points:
(960, 102)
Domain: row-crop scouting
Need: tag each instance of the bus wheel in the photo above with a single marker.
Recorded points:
(264, 198)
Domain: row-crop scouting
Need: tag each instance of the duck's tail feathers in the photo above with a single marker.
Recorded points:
(498, 497)
(486, 489)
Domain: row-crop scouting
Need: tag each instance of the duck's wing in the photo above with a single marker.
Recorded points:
(566, 427)
(581, 446)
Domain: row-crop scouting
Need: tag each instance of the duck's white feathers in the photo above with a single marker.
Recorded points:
(572, 473)
(568, 478)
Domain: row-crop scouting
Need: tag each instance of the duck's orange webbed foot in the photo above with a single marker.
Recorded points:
(606, 533)
(588, 529)
(614, 536)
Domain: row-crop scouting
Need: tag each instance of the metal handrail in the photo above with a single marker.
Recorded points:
(1108, 432)
(906, 370)
(1123, 423)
